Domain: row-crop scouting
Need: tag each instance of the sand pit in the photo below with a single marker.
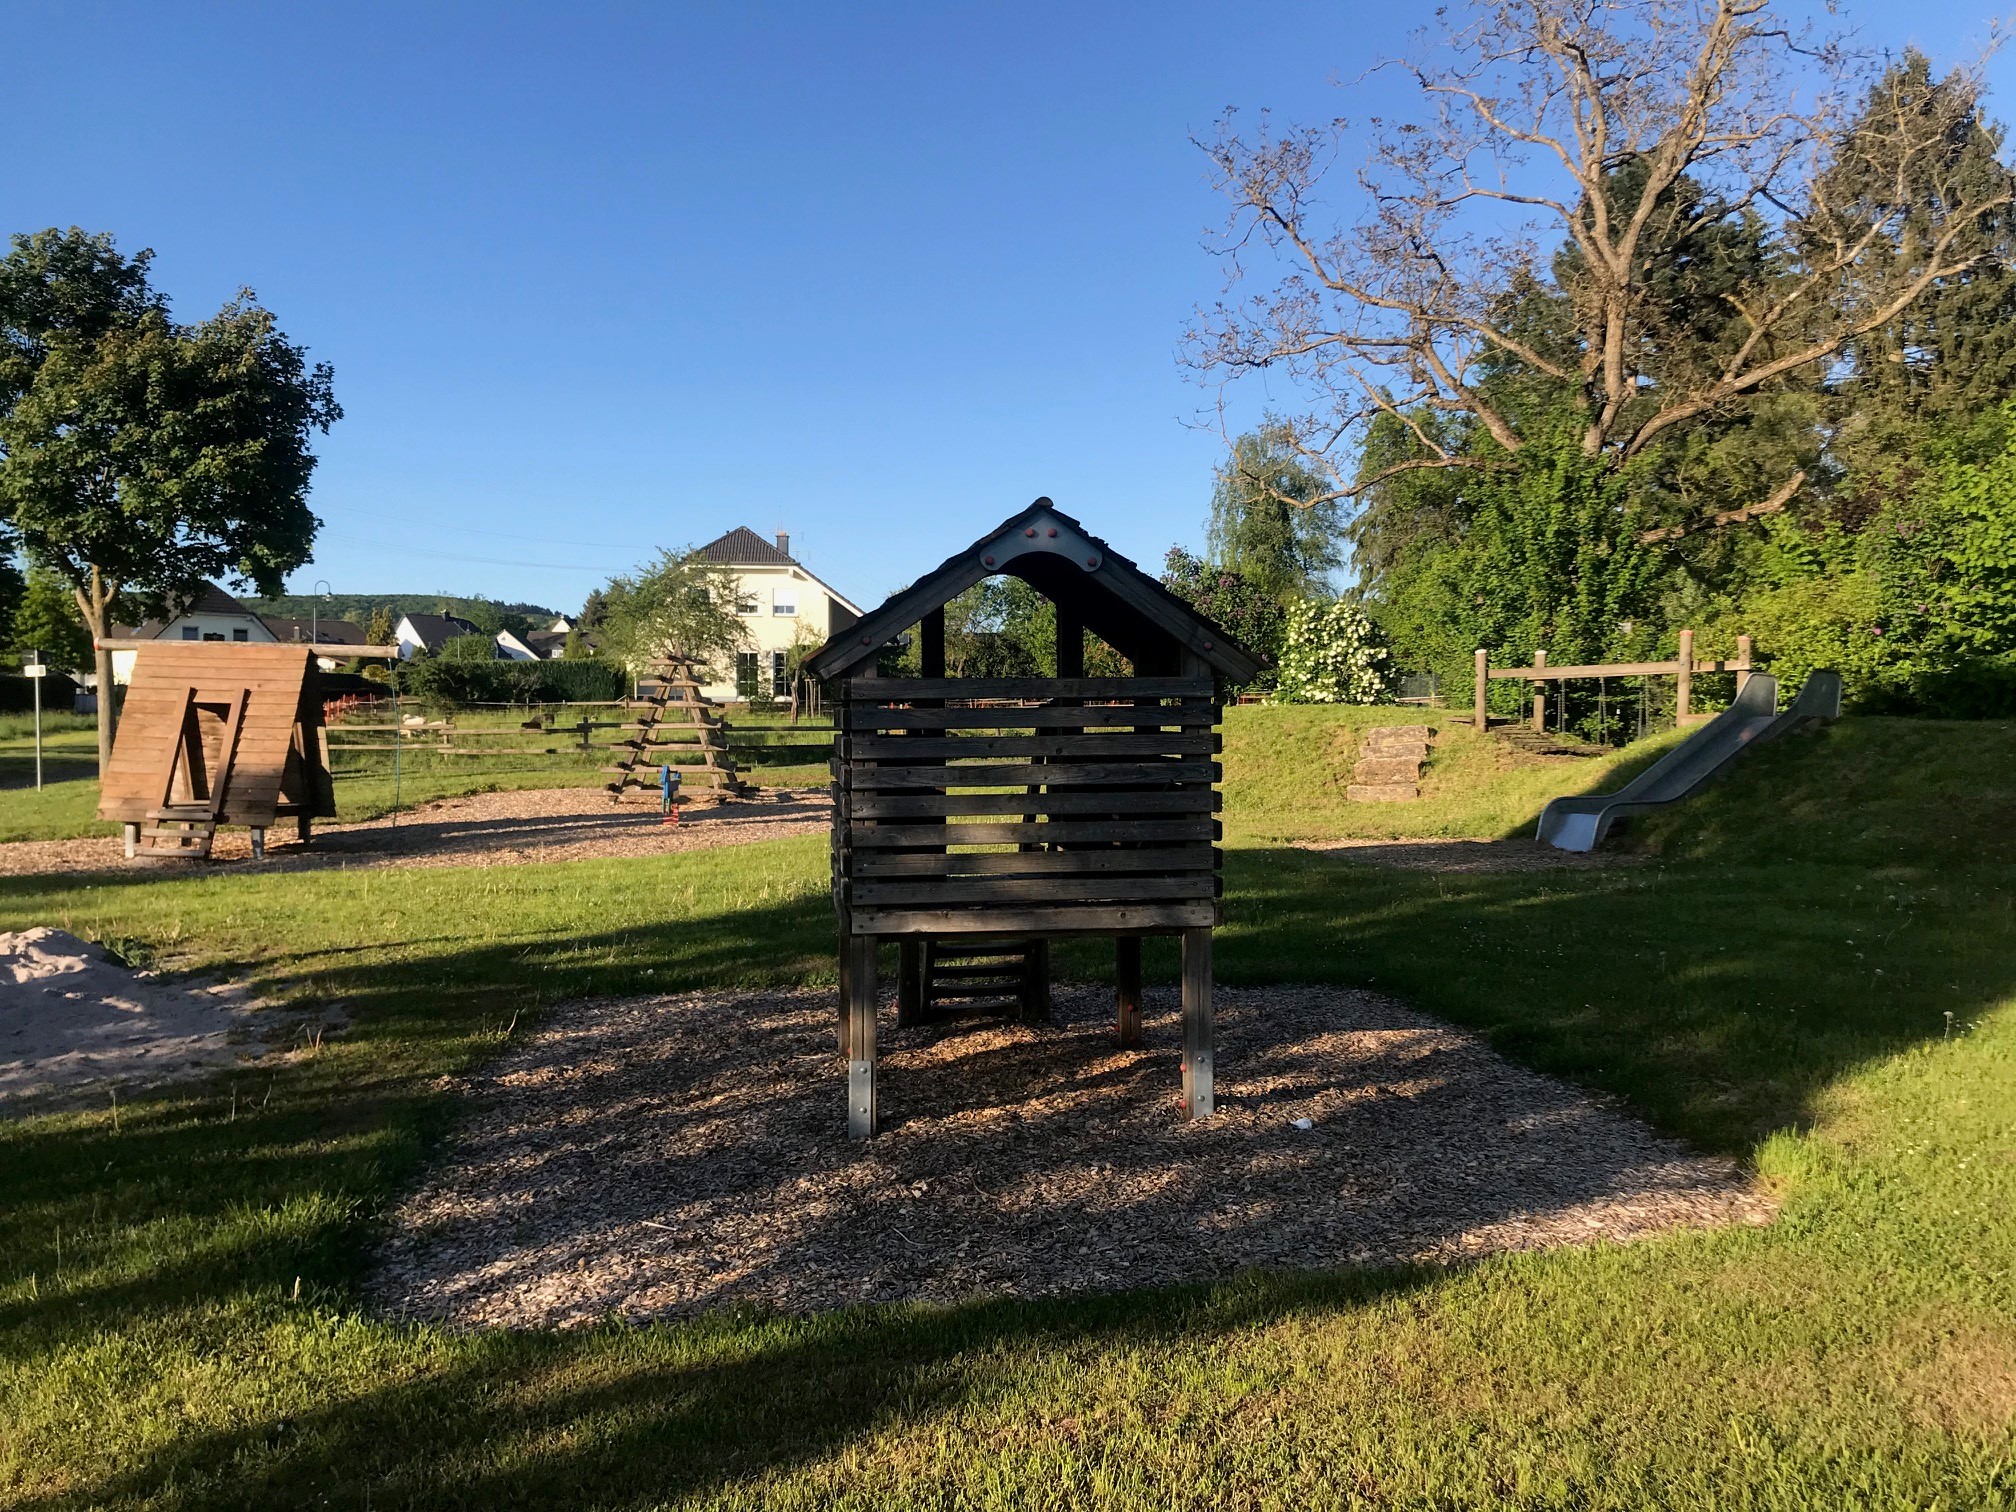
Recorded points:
(652, 1157)
(481, 829)
(71, 1017)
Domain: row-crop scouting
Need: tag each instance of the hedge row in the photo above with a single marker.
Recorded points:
(448, 683)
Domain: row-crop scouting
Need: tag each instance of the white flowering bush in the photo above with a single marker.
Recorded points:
(1334, 654)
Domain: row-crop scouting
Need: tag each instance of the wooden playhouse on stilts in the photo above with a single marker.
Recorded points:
(976, 820)
(214, 733)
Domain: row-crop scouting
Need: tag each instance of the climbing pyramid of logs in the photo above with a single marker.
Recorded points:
(674, 726)
(1389, 764)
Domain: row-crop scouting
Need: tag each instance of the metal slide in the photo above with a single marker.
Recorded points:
(1579, 824)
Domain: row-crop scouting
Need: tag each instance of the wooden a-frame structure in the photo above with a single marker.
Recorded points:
(216, 733)
(675, 724)
(977, 819)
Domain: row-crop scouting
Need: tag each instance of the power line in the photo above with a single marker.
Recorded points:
(510, 535)
(455, 556)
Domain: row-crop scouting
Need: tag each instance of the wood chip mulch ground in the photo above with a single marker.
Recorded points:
(657, 1157)
(482, 829)
(1469, 855)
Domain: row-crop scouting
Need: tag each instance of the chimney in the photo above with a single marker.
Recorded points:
(784, 543)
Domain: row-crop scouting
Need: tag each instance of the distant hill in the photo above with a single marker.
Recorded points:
(358, 606)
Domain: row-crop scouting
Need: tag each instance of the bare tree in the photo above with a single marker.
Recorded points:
(1613, 130)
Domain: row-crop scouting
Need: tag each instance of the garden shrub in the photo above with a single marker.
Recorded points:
(1334, 654)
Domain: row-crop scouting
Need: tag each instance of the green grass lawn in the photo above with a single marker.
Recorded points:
(1812, 970)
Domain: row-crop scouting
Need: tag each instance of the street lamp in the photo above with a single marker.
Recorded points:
(315, 610)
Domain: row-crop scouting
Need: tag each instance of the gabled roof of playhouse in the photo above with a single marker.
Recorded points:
(1063, 561)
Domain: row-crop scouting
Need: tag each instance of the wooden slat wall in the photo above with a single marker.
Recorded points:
(1105, 787)
(284, 696)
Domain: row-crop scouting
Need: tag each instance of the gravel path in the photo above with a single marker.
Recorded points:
(1469, 855)
(661, 1156)
(482, 829)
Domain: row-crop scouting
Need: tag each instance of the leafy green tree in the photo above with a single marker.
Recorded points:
(13, 586)
(379, 627)
(142, 455)
(677, 604)
(477, 646)
(1945, 362)
(1274, 519)
(1549, 559)
(48, 621)
(1237, 603)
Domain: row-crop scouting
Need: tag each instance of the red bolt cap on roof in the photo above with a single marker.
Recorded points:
(987, 561)
(1030, 531)
(1053, 532)
(864, 640)
(1092, 561)
(1207, 645)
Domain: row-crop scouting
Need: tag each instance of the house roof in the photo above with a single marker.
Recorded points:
(332, 632)
(435, 630)
(742, 547)
(207, 598)
(1057, 556)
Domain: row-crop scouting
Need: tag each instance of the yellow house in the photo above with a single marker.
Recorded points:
(781, 605)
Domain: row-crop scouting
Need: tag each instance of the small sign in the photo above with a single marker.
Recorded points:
(35, 669)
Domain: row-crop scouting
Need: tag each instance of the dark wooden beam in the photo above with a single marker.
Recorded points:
(1127, 985)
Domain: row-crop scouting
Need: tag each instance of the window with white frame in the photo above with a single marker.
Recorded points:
(746, 601)
(780, 680)
(784, 601)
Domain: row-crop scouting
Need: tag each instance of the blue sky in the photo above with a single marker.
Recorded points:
(596, 280)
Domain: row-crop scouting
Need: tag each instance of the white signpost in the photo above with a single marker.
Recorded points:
(36, 672)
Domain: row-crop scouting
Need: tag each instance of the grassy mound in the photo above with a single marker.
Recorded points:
(1286, 771)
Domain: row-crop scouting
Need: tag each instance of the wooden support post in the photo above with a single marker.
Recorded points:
(931, 644)
(1199, 1100)
(132, 832)
(909, 982)
(258, 842)
(846, 981)
(1483, 681)
(1743, 656)
(1036, 1005)
(1127, 986)
(1684, 702)
(861, 1037)
(1070, 640)
(1539, 697)
(303, 827)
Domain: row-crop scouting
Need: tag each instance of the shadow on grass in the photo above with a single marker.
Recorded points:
(624, 1418)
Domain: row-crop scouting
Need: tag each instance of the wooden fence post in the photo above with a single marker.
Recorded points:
(1684, 703)
(1743, 656)
(1539, 697)
(1483, 679)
